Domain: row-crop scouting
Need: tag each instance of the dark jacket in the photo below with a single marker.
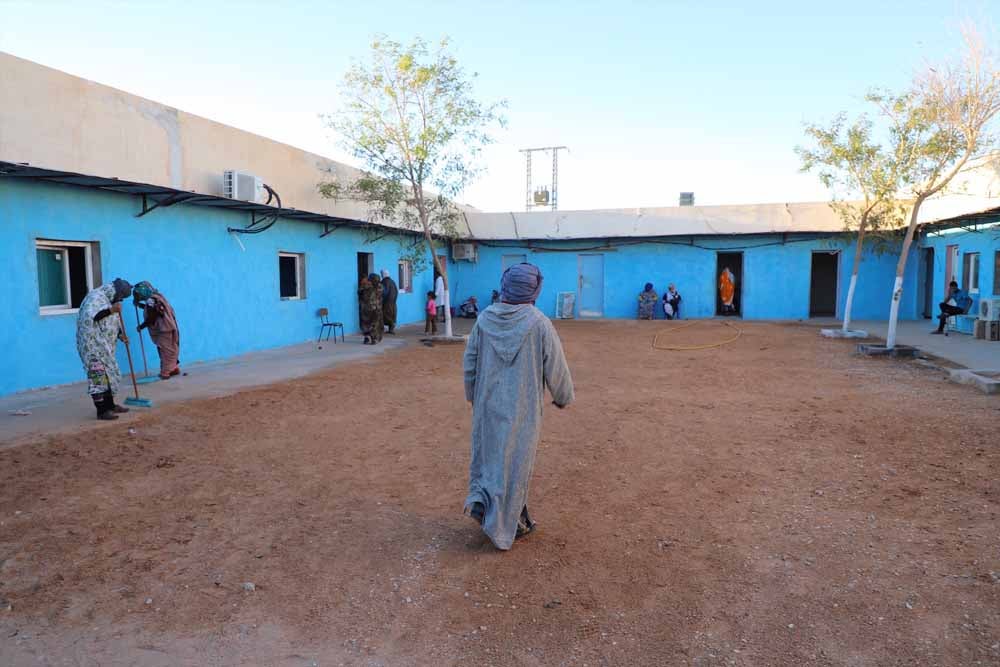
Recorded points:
(389, 291)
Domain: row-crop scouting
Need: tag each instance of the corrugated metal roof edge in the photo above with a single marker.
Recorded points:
(166, 196)
(965, 219)
(175, 196)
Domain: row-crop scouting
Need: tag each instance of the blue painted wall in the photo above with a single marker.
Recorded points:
(226, 298)
(776, 273)
(985, 241)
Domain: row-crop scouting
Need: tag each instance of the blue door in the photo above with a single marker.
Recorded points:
(590, 296)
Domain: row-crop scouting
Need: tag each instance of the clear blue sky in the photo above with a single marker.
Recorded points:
(651, 97)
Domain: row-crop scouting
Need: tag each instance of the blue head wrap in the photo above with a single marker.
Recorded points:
(521, 283)
(649, 287)
(122, 289)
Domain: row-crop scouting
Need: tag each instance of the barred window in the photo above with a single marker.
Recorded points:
(405, 275)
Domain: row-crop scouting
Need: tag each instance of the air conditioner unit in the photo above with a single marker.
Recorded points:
(466, 251)
(243, 186)
(565, 305)
(989, 310)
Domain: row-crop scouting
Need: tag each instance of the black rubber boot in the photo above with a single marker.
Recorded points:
(105, 404)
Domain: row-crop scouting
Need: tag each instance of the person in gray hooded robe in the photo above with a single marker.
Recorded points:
(512, 354)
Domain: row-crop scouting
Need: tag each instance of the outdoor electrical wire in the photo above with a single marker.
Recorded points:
(253, 227)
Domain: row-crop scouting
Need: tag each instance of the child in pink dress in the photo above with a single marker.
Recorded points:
(430, 324)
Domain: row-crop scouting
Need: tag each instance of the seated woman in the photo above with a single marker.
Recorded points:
(469, 309)
(672, 303)
(647, 302)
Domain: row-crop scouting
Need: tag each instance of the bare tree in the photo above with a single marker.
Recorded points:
(863, 180)
(936, 128)
(410, 115)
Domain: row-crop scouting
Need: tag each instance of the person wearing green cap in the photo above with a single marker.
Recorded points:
(160, 320)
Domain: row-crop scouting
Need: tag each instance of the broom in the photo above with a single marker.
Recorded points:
(138, 402)
(146, 377)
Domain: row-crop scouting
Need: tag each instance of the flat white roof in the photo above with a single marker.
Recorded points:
(665, 221)
(803, 217)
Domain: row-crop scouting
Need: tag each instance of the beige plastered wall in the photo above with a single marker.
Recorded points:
(58, 121)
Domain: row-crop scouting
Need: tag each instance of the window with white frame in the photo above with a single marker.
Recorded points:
(67, 270)
(970, 273)
(292, 275)
(405, 275)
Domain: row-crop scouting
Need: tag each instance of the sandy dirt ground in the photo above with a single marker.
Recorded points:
(778, 501)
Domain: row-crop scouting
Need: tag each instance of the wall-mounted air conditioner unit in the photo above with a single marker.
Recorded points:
(243, 186)
(989, 309)
(466, 251)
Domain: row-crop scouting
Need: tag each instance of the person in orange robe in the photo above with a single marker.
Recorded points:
(727, 290)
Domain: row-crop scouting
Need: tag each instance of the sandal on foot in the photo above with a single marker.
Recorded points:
(477, 512)
(525, 526)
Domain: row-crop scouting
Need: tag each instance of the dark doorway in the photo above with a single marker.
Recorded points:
(928, 296)
(733, 261)
(366, 265)
(823, 284)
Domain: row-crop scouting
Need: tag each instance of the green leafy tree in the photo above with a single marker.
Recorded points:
(862, 178)
(936, 128)
(409, 114)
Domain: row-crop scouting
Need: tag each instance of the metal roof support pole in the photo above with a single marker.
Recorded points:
(527, 197)
(555, 178)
